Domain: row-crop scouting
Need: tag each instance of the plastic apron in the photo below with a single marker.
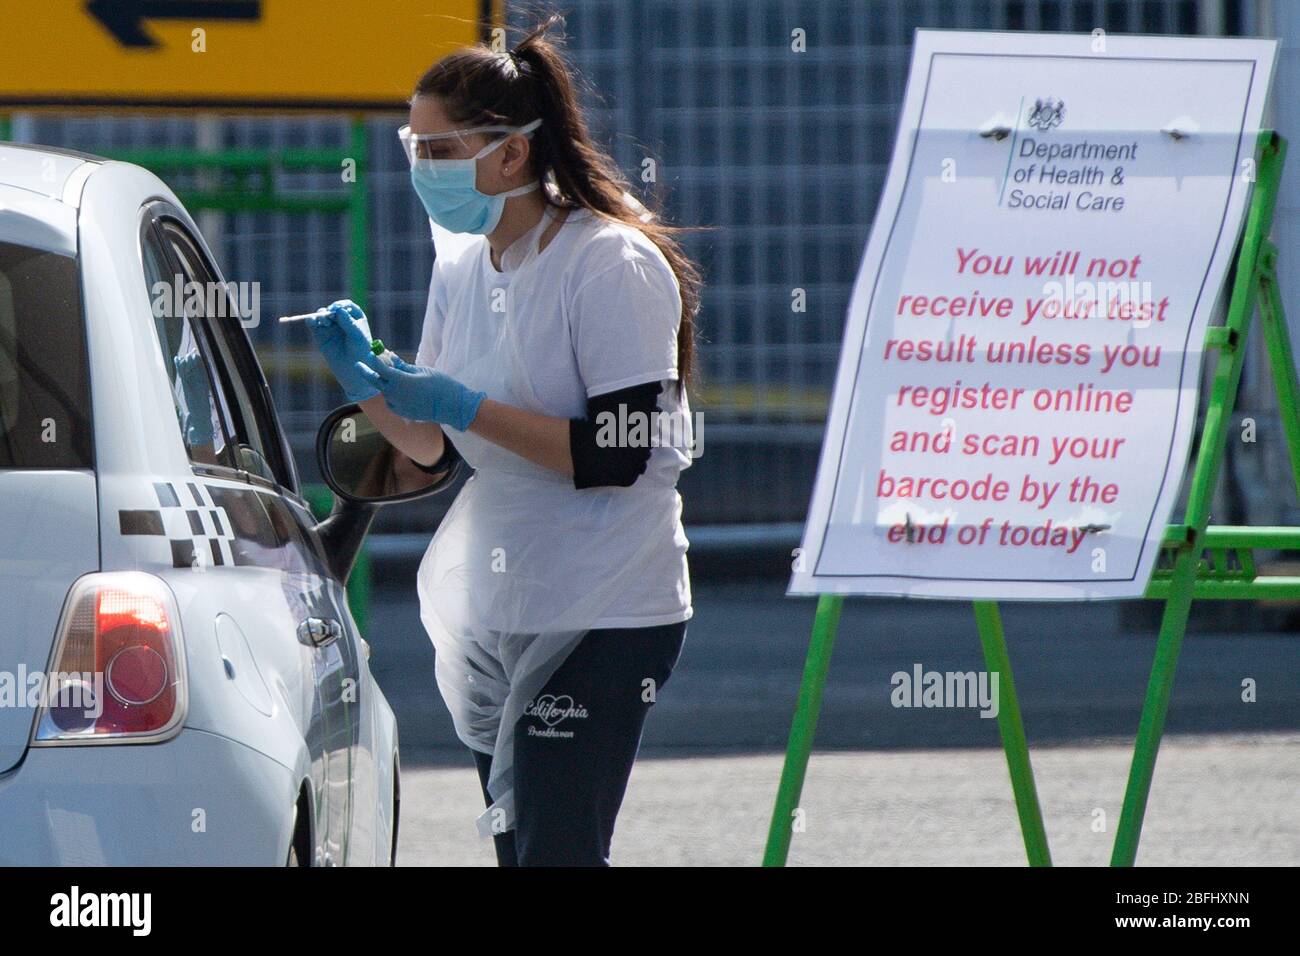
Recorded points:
(511, 582)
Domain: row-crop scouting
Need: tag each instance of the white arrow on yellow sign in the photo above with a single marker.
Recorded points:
(300, 54)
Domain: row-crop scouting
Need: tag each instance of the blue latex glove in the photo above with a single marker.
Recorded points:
(342, 334)
(198, 398)
(420, 394)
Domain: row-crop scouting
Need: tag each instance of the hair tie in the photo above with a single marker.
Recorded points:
(522, 66)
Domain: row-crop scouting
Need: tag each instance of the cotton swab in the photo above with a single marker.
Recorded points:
(304, 316)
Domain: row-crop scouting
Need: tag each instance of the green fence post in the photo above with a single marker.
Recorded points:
(359, 589)
(359, 291)
(359, 214)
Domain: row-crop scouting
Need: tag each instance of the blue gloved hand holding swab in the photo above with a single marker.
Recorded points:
(342, 334)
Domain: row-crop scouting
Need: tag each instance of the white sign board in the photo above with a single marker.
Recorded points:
(1017, 390)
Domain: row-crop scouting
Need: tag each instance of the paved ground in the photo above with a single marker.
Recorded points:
(904, 785)
(1226, 800)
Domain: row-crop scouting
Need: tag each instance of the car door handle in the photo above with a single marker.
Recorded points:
(319, 631)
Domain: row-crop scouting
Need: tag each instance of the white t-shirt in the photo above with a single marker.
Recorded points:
(596, 311)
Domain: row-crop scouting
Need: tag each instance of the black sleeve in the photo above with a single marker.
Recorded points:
(599, 443)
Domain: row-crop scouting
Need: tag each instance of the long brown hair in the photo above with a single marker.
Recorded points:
(481, 87)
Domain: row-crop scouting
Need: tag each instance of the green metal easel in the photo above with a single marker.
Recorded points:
(1197, 561)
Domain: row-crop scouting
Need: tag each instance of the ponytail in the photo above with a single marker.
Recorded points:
(533, 81)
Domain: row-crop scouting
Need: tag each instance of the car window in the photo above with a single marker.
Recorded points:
(45, 419)
(260, 536)
(203, 423)
(255, 434)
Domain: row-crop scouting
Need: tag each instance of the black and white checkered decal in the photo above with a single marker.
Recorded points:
(192, 531)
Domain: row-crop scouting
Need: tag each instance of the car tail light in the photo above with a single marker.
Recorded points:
(117, 674)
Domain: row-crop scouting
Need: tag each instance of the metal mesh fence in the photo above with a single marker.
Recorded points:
(778, 152)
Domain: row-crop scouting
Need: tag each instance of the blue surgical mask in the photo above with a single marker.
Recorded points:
(448, 187)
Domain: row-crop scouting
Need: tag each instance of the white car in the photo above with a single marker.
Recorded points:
(181, 681)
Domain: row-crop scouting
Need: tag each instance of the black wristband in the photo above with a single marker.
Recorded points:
(449, 457)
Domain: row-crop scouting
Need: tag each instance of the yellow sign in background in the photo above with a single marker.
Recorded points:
(301, 54)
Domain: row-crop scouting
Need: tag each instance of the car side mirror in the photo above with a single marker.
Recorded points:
(360, 465)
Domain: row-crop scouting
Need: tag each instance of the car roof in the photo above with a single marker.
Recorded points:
(43, 170)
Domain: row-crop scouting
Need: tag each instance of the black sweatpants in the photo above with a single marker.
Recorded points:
(575, 744)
